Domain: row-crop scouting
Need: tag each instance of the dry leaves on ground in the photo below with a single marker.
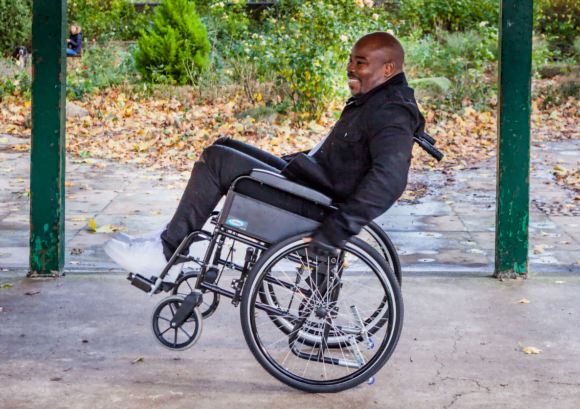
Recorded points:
(164, 134)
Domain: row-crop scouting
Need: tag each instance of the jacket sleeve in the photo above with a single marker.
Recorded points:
(75, 41)
(391, 151)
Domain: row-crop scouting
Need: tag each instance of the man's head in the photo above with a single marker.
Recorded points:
(374, 59)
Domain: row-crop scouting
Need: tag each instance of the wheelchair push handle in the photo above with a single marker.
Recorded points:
(426, 142)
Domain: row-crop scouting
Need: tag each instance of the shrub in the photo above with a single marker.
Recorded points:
(115, 18)
(15, 25)
(558, 18)
(576, 47)
(462, 44)
(176, 42)
(102, 66)
(433, 16)
(306, 46)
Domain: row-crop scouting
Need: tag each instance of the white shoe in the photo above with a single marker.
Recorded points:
(144, 257)
(127, 238)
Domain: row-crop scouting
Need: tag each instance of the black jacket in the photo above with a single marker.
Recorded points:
(76, 41)
(364, 162)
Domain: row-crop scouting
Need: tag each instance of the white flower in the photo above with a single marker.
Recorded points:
(375, 16)
(247, 50)
(483, 24)
(254, 35)
(344, 38)
(369, 3)
(221, 4)
(391, 32)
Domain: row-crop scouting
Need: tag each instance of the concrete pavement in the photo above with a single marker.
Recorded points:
(451, 229)
(461, 347)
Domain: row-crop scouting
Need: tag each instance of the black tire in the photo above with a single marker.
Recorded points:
(385, 248)
(384, 350)
(194, 324)
(185, 285)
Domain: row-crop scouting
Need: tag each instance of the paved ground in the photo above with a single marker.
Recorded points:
(461, 348)
(449, 230)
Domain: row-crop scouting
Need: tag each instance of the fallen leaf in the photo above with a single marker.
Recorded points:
(74, 262)
(78, 219)
(85, 341)
(560, 282)
(140, 359)
(93, 225)
(448, 202)
(154, 212)
(32, 292)
(539, 250)
(523, 301)
(0, 309)
(544, 233)
(71, 197)
(77, 250)
(532, 350)
(104, 229)
(6, 286)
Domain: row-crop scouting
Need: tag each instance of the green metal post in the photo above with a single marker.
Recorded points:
(47, 159)
(513, 164)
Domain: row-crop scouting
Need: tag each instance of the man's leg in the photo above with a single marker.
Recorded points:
(211, 177)
(262, 156)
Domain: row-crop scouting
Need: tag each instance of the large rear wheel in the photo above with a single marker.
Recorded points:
(335, 322)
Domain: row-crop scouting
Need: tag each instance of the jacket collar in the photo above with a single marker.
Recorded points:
(398, 79)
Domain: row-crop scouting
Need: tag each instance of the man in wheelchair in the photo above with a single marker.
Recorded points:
(362, 164)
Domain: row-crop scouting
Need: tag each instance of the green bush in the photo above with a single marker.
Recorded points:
(102, 66)
(434, 16)
(15, 25)
(175, 45)
(559, 19)
(576, 47)
(115, 19)
(462, 44)
(306, 45)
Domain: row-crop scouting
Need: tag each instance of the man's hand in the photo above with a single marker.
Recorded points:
(319, 246)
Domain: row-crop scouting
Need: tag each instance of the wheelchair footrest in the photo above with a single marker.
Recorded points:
(140, 282)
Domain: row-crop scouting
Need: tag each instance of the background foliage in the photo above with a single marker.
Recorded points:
(15, 24)
(115, 19)
(175, 45)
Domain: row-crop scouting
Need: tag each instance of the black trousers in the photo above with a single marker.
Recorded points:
(212, 175)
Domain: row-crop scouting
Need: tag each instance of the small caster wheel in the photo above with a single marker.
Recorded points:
(372, 346)
(371, 380)
(175, 339)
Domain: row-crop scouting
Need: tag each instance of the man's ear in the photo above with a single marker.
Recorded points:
(388, 69)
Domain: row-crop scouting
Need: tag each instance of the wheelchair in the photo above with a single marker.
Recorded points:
(317, 324)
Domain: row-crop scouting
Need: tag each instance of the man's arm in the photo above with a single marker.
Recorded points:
(391, 150)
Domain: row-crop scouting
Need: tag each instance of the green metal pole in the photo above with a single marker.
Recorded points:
(513, 164)
(47, 159)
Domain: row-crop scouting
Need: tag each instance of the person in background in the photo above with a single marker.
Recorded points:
(75, 41)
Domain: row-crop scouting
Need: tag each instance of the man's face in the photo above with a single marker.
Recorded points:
(366, 68)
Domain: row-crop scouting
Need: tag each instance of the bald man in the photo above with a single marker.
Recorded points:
(362, 164)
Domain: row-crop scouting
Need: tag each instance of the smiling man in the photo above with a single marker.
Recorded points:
(362, 164)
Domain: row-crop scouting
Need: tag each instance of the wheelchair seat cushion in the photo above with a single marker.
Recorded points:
(283, 200)
(280, 182)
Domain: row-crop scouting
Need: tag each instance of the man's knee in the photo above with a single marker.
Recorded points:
(223, 141)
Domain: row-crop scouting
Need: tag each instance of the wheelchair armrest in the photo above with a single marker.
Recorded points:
(278, 181)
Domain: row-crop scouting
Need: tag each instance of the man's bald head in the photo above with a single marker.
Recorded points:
(374, 59)
(388, 45)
